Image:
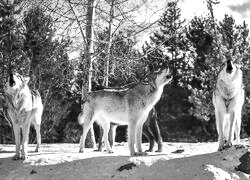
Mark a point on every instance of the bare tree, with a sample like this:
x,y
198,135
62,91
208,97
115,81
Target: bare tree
x,y
88,51
107,62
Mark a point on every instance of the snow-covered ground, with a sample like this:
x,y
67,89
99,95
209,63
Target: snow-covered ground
x,y
178,161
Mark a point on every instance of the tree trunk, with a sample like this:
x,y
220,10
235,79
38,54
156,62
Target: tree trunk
x,y
34,74
89,51
3,71
88,55
107,62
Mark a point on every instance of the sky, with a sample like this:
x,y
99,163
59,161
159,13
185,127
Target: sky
x,y
239,9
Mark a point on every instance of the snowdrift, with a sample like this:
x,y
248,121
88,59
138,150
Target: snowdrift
x,y
178,161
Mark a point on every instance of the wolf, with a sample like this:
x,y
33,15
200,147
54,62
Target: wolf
x,y
2,103
24,107
150,129
125,107
228,99
3,109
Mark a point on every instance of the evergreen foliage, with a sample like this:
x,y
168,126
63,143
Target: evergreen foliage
x,y
193,51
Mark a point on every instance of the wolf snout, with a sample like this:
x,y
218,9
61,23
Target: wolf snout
x,y
11,80
229,66
169,76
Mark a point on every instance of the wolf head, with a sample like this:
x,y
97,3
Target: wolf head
x,y
230,72
229,67
163,77
15,82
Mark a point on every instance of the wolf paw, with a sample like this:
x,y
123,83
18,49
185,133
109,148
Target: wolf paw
x,y
159,150
98,150
24,157
81,151
227,145
140,154
109,151
16,157
132,154
220,149
239,146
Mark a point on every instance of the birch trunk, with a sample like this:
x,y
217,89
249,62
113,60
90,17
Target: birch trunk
x,y
89,51
107,62
88,56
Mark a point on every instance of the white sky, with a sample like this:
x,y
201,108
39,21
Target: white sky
x,y
239,9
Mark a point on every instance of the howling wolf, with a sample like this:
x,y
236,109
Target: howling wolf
x,y
125,107
23,107
228,99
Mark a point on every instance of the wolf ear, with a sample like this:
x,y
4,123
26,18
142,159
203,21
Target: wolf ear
x,y
27,79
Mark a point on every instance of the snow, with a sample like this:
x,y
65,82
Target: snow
x,y
177,161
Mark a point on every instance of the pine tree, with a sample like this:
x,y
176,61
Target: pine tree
x,y
172,41
38,41
11,40
213,44
234,38
51,71
201,86
169,46
201,39
11,55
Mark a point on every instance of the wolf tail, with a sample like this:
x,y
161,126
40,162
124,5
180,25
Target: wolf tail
x,y
80,118
85,113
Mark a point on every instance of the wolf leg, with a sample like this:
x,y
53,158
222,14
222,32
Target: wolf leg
x,y
100,139
131,138
238,127
139,136
158,137
86,120
220,112
149,135
25,141
93,136
112,134
17,134
38,137
238,116
156,133
219,127
86,127
139,127
106,127
231,130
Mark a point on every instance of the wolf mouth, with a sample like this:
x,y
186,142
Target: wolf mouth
x,y
229,67
168,76
11,81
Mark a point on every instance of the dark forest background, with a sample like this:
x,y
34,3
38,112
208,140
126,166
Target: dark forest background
x,y
38,38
